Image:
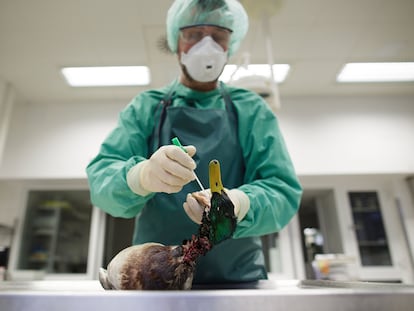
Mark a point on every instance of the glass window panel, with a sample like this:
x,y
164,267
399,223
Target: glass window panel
x,y
56,231
369,228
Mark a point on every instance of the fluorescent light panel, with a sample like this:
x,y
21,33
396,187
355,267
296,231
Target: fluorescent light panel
x,y
377,72
107,76
280,71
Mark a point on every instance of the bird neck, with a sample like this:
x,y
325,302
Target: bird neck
x,y
194,248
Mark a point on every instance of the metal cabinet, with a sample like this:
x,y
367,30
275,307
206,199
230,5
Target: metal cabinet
x,y
59,234
372,230
56,232
366,219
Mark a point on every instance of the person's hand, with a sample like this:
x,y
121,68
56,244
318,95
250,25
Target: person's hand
x,y
167,170
196,203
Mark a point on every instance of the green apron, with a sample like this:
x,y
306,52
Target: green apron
x,y
214,132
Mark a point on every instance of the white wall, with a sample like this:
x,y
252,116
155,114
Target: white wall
x,y
345,135
10,208
7,99
350,135
56,140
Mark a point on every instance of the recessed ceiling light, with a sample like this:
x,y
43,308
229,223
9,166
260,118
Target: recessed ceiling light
x,y
107,76
377,72
233,72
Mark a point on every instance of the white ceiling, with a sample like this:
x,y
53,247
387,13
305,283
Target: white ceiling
x,y
316,37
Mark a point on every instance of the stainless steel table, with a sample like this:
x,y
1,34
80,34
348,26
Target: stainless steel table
x,y
259,296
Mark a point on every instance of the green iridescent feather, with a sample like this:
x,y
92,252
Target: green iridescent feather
x,y
222,218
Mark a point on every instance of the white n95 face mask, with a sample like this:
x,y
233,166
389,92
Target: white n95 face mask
x,y
205,60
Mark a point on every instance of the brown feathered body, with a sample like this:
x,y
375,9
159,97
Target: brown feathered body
x,y
154,266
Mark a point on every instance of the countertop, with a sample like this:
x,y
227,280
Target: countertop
x,y
280,295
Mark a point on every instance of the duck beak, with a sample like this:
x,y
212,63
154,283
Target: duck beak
x,y
215,177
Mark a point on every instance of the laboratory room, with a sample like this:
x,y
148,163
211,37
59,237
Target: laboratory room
x,y
206,155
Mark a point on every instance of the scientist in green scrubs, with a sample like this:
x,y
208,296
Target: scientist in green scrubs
x,y
139,173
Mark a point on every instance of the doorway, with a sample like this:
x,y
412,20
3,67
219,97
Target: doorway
x,y
119,233
319,227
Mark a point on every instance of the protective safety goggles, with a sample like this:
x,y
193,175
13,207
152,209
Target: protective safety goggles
x,y
193,34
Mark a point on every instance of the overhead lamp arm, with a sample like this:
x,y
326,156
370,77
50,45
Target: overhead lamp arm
x,y
270,60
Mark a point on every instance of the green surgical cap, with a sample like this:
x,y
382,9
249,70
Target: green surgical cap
x,y
223,13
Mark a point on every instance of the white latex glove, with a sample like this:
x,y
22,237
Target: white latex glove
x,y
167,170
196,202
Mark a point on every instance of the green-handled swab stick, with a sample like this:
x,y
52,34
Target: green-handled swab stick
x,y
176,142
